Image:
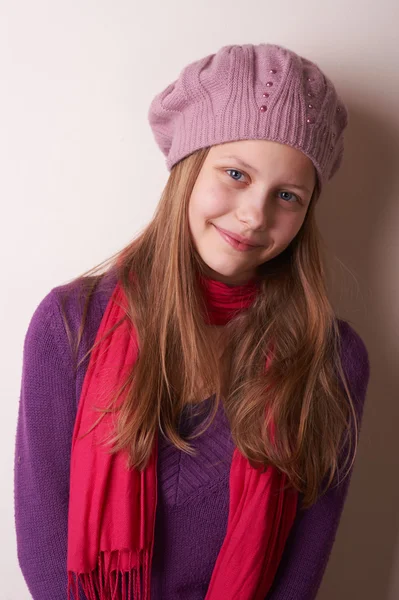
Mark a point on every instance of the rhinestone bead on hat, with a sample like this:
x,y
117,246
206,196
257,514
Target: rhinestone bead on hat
x,y
269,84
310,118
338,110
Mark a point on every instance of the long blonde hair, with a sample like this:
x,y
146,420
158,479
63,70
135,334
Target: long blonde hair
x,y
313,415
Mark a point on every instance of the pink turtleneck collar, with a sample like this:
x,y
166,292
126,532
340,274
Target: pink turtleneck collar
x,y
224,300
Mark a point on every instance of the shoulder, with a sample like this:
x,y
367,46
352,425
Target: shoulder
x,y
355,360
70,297
57,317
353,349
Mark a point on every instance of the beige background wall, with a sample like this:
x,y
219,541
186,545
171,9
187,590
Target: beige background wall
x,y
77,78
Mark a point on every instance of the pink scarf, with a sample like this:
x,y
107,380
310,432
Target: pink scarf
x,y
112,510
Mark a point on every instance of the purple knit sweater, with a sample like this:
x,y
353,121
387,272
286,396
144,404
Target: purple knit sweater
x,y
193,492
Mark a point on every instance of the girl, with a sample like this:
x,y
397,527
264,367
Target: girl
x,y
189,417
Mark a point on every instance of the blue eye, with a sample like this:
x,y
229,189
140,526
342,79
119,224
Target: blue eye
x,y
289,193
234,171
293,196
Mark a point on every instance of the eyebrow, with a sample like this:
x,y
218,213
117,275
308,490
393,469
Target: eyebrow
x,y
303,188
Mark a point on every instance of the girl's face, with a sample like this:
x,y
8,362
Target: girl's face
x,y
256,189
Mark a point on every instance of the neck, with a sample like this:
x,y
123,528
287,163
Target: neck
x,y
224,301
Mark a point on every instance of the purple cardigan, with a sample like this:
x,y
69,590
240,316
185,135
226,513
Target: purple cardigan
x,y
193,492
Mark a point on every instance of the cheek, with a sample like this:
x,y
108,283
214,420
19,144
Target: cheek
x,y
291,227
208,203
286,229
296,223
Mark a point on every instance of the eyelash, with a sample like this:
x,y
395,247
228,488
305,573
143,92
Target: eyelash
x,y
237,171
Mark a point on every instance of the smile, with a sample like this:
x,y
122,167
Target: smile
x,y
240,246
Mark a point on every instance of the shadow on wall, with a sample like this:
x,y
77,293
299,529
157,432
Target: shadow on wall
x,y
356,215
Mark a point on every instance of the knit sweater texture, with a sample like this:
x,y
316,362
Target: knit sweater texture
x,y
193,491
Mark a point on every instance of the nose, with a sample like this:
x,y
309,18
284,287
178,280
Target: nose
x,y
253,212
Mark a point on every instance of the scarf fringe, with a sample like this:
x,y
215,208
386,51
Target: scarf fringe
x,y
112,585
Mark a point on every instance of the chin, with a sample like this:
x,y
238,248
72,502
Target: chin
x,y
229,274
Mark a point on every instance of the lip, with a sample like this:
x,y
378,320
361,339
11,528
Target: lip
x,y
237,241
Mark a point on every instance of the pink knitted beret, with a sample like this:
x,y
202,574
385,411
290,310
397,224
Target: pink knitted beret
x,y
262,91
